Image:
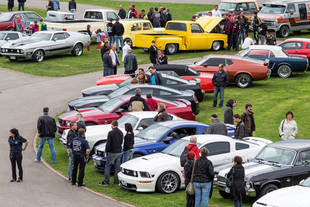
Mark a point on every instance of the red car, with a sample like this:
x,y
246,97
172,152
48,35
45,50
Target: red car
x,y
296,46
112,79
27,18
116,108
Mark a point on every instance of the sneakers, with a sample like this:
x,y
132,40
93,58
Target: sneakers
x,y
12,180
35,160
82,185
19,180
104,184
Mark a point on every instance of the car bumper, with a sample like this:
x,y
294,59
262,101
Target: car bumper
x,y
136,183
14,56
99,162
222,186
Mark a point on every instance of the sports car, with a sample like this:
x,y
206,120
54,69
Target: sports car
x,y
296,46
9,36
46,43
279,62
27,18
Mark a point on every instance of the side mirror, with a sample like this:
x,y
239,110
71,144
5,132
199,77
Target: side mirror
x,y
55,39
205,65
168,139
195,62
7,39
119,110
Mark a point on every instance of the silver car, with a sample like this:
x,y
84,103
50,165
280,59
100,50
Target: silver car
x,y
9,36
46,43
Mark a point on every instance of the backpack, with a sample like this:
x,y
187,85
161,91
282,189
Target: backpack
x,y
183,157
136,106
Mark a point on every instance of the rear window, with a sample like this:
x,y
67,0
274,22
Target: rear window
x,y
176,26
93,15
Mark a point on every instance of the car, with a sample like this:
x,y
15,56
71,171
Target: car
x,y
116,107
9,36
296,46
27,18
163,172
279,62
297,196
46,43
277,165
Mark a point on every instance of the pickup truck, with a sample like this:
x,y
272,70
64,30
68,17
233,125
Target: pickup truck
x,y
203,34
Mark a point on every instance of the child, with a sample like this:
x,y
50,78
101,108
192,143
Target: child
x,y
42,26
89,33
100,38
35,26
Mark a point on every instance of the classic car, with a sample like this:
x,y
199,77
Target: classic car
x,y
280,164
296,46
204,34
27,18
297,196
279,62
46,43
116,107
152,172
9,36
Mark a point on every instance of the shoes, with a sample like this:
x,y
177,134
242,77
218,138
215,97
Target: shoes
x,y
82,185
19,180
73,183
12,180
35,160
103,184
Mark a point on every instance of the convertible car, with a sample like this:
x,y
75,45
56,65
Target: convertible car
x,y
9,36
46,43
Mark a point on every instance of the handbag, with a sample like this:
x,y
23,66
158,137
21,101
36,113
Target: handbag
x,y
190,187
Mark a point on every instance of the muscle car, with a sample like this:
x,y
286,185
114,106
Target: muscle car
x,y
9,36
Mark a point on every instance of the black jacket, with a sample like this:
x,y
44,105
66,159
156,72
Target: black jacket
x,y
128,142
109,29
158,78
188,171
240,131
162,116
220,79
228,115
81,124
237,187
162,60
114,141
262,28
46,126
203,172
130,63
71,135
72,5
118,29
153,54
139,98
107,61
122,14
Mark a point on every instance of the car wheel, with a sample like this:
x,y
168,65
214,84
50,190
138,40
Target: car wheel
x,y
284,71
168,182
216,45
171,49
284,31
243,80
77,50
267,189
38,56
224,194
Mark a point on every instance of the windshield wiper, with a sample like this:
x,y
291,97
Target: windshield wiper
x,y
260,160
274,163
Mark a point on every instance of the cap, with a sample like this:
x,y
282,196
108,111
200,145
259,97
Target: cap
x,y
213,116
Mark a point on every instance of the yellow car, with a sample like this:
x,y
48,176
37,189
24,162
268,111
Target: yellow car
x,y
203,34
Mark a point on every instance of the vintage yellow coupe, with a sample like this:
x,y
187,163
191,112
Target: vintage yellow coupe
x,y
203,34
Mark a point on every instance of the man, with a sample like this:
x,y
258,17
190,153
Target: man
x,y
192,146
10,5
240,128
115,60
80,122
21,5
80,151
121,12
113,150
155,78
262,31
137,103
210,13
216,127
163,17
248,120
220,81
109,31
130,63
118,31
50,6
42,26
71,135
243,22
216,12
107,63
168,15
126,48
255,24
156,18
46,128
72,6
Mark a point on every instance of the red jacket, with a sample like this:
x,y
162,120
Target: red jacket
x,y
152,103
194,149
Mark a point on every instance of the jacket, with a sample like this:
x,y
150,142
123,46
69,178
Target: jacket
x,y
156,19
79,146
194,149
129,141
81,124
42,26
262,30
130,62
114,57
288,130
240,131
107,61
220,79
228,115
122,13
237,187
109,29
71,135
114,141
203,171
162,60
138,98
162,116
118,29
158,78
46,126
249,122
72,5
188,167
152,103
153,54
217,128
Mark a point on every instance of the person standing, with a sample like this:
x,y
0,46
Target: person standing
x,y
118,31
126,48
262,31
46,126
16,147
288,127
121,12
18,25
162,59
236,175
153,52
156,18
150,15
137,103
80,122
216,127
228,112
113,152
216,12
21,5
109,31
192,146
115,60
56,5
255,25
248,120
168,15
50,6
188,169
163,17
155,78
71,135
10,5
240,127
90,35
228,31
129,141
220,81
72,6
142,14
130,63
151,102
162,114
235,29
243,22
80,151
107,63
42,26
100,36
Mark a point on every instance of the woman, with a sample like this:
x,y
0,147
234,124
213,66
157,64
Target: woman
x,y
228,112
153,53
162,59
128,143
288,127
236,175
141,78
16,147
162,114
203,177
188,167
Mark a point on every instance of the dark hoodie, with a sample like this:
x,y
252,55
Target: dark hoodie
x,y
162,116
228,114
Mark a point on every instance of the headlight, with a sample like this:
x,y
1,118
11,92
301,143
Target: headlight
x,y
68,123
21,51
145,174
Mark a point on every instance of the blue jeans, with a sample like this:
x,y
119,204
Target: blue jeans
x,y
128,155
238,203
112,158
50,141
21,6
202,192
218,90
111,40
117,39
70,166
108,71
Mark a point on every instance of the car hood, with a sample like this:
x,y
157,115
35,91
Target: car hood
x,y
86,112
84,101
99,90
272,17
112,79
208,23
22,44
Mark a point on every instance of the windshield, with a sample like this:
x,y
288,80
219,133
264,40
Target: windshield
x,y
176,148
306,182
4,17
276,155
201,62
272,9
2,35
242,53
125,82
153,132
127,118
41,36
227,6
118,92
107,107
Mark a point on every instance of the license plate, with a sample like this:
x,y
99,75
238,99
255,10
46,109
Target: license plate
x,y
12,57
124,183
227,190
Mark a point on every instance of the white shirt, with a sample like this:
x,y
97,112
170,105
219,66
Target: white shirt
x,y
125,51
113,57
289,129
216,13
247,42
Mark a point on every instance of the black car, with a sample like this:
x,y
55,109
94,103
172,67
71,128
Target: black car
x,y
177,70
279,164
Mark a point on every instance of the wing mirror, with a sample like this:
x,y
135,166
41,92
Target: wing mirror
x,y
7,39
205,65
167,140
55,39
119,110
301,181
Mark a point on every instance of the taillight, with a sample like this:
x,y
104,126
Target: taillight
x,y
64,29
195,99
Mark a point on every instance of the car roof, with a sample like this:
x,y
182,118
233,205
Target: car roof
x,y
265,47
293,144
238,1
99,10
234,57
127,97
146,114
283,2
175,123
297,39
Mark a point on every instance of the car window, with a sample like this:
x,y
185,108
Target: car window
x,y
229,62
241,146
12,36
242,7
59,36
111,15
144,123
196,28
165,93
136,27
145,91
176,26
291,45
303,158
31,16
308,46
252,6
290,8
260,54
215,61
172,82
182,132
132,92
147,26
216,148
93,15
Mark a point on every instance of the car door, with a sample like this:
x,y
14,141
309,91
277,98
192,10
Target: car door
x,y
293,47
198,40
219,152
301,169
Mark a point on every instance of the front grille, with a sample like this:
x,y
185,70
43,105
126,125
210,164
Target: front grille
x,y
221,179
129,172
9,50
100,153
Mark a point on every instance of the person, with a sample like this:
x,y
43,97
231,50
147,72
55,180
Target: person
x,y
199,15
46,126
216,12
155,78
142,14
100,37
192,146
16,147
203,178
156,18
35,27
216,127
104,48
271,37
113,150
109,31
255,22
168,15
80,122
132,13
153,52
118,31
137,103
134,9
161,58
193,19
220,81
151,102
125,49
240,127
90,34
142,77
288,127
248,119
163,17
162,114
21,5
130,63
56,5
224,22
231,15
150,15
134,81
121,12
188,168
262,31
80,152
115,60
247,43
71,135
42,26
50,6
10,5
236,175
129,141
210,13
72,6
243,29
107,63
228,112
232,30
18,25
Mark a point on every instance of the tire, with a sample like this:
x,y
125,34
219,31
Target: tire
x,y
171,49
38,56
267,189
284,31
77,50
168,182
284,71
216,45
224,194
243,80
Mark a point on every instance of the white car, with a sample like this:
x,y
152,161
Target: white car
x,y
9,36
163,172
294,196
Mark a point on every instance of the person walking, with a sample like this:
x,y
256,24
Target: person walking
x,y
188,169
80,151
137,103
130,63
126,48
46,126
113,152
203,179
248,119
153,53
50,6
216,12
155,78
156,18
115,59
151,102
42,26
129,141
121,12
162,59
21,5
16,147
216,127
71,135
236,176
288,127
240,127
255,22
10,5
107,63
109,31
220,81
118,31
72,6
228,112
162,114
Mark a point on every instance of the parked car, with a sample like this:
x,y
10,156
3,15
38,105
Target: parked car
x,y
279,62
296,46
116,108
287,197
280,164
46,43
27,18
163,172
9,36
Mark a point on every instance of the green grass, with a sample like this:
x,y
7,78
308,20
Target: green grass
x,y
42,13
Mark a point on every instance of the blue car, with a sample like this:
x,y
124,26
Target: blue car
x,y
157,137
